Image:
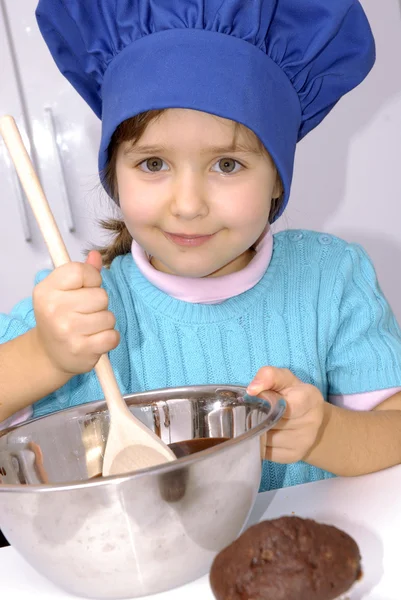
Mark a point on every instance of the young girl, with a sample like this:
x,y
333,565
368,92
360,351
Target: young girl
x,y
202,103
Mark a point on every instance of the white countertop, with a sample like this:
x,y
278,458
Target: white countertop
x,y
368,508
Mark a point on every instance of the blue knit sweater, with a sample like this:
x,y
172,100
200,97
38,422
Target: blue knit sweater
x,y
317,311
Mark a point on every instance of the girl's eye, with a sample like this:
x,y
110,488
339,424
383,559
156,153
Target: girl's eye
x,y
227,166
153,165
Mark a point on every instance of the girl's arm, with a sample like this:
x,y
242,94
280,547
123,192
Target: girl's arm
x,y
73,329
355,443
26,374
341,441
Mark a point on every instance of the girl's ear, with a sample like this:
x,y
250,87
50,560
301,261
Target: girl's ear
x,y
278,189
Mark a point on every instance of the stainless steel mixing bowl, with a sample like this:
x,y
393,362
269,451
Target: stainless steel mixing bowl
x,y
133,535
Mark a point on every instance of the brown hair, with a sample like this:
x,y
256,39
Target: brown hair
x,y
132,130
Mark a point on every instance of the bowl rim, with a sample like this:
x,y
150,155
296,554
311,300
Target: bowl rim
x,y
275,414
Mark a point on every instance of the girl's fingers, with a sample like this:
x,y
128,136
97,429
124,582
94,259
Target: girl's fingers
x,y
283,447
94,258
94,323
286,424
272,378
101,343
279,455
280,440
73,276
300,400
85,301
289,446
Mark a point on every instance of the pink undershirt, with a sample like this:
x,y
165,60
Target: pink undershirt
x,y
214,290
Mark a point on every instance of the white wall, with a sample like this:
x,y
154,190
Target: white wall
x,y
348,171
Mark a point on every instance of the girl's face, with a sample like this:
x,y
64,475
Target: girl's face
x,y
195,194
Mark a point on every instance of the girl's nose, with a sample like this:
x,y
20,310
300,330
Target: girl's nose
x,y
189,199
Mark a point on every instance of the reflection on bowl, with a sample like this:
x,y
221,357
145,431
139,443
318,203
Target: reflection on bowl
x,y
133,535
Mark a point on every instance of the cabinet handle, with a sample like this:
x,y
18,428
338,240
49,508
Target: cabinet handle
x,y
19,194
51,125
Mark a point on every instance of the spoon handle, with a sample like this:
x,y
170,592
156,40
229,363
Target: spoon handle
x,y
52,237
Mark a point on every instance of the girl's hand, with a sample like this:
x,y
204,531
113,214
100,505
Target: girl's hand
x,y
297,432
73,326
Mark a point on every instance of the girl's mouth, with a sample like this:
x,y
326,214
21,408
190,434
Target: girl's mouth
x,y
182,239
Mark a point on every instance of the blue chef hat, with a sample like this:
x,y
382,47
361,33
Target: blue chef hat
x,y
277,66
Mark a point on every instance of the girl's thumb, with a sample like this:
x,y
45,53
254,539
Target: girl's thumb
x,y
94,258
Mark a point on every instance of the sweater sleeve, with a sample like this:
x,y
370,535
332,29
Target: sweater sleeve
x,y
365,349
80,389
20,320
22,317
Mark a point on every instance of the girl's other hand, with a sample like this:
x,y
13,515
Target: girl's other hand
x,y
73,324
294,436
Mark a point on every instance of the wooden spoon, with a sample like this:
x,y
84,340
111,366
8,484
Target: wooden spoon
x,y
130,444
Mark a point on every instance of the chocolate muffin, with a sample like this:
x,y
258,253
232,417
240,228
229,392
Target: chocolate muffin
x,y
287,559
